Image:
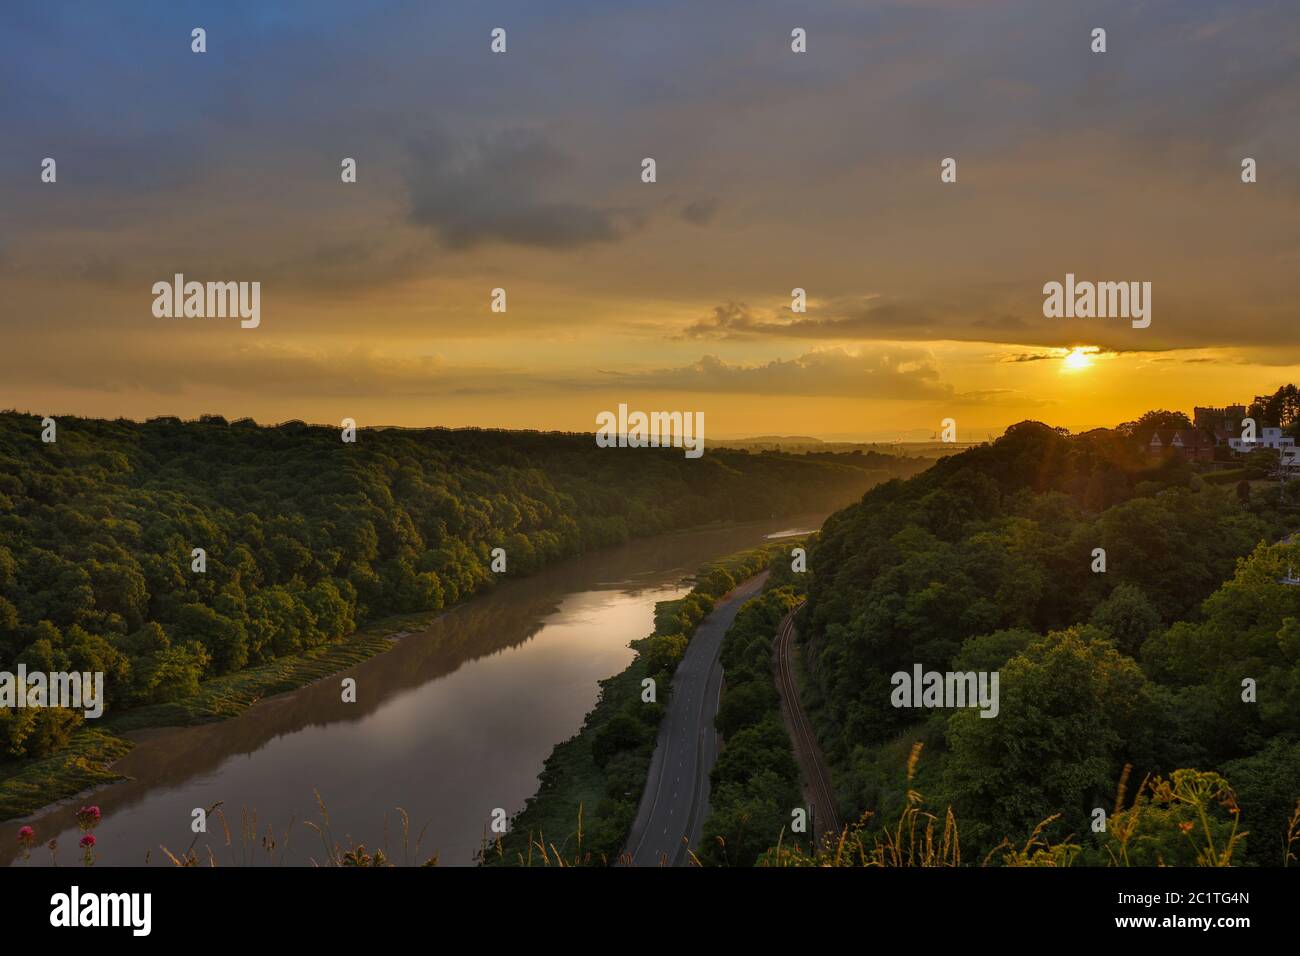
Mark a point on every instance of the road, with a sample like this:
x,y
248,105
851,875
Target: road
x,y
676,798
812,763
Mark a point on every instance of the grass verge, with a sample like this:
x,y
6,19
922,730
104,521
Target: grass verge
x,y
591,784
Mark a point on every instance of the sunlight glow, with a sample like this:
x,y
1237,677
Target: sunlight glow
x,y
1079,358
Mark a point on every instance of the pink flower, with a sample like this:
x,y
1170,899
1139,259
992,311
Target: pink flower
x,y
89,817
26,840
87,845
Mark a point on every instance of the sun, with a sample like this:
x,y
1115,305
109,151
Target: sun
x,y
1079,358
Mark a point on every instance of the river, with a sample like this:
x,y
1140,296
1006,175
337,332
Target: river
x,y
452,723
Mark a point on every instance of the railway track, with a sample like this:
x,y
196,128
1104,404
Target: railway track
x,y
819,777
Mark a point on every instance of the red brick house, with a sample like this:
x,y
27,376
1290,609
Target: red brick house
x,y
1192,443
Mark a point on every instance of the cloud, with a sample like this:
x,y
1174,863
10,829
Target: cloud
x,y
730,320
208,362
821,168
490,189
1060,354
870,318
700,212
1034,357
215,363
981,314
908,374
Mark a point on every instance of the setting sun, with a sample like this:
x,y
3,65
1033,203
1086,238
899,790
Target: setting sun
x,y
1079,358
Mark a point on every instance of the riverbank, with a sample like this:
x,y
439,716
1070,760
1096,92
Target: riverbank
x,y
87,761
591,784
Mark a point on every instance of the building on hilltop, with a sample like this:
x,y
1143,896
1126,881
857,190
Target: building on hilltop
x,y
1191,443
1289,461
1270,437
1219,419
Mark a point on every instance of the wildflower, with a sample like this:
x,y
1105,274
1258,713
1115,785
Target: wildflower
x,y
88,817
87,845
26,840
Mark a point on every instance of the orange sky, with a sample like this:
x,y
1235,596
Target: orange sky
x,y
775,170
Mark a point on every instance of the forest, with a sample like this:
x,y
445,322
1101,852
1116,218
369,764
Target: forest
x,y
306,537
755,782
1173,663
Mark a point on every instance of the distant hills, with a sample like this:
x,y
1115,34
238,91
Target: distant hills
x,y
802,444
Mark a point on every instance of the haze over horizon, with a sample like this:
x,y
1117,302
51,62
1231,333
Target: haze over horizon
x,y
775,170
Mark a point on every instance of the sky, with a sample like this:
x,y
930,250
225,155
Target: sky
x,y
775,170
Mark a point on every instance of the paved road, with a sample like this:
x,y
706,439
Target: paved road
x,y
676,799
812,764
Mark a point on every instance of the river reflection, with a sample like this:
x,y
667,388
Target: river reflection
x,y
450,724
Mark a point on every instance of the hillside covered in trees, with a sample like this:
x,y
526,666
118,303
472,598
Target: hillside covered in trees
x,y
988,562
306,537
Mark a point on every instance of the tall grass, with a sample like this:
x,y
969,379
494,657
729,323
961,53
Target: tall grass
x,y
918,838
255,846
1187,800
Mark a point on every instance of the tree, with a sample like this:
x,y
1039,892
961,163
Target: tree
x,y
751,818
1156,420
988,652
1280,408
1067,707
663,652
224,639
36,732
744,706
622,732
1127,616
1260,463
755,788
170,673
1267,785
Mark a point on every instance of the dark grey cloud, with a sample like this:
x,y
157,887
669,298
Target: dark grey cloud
x,y
1032,357
492,188
700,212
1116,166
870,319
1181,322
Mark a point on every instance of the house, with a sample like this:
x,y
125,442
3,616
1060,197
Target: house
x,y
1191,443
1270,436
1290,461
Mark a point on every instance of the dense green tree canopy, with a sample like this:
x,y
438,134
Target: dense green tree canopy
x,y
1159,595
305,537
